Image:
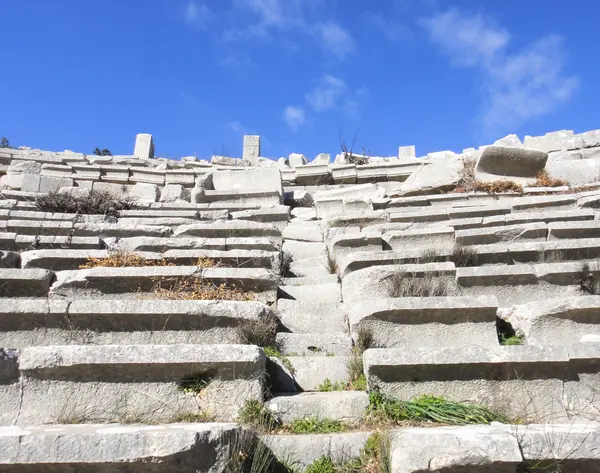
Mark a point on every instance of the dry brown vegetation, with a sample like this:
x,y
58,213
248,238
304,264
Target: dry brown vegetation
x,y
192,288
92,203
431,284
128,259
470,183
543,179
123,259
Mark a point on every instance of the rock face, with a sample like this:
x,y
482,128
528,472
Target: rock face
x,y
375,280
505,161
443,174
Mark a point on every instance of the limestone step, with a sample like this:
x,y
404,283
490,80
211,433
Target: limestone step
x,y
26,242
222,244
325,292
303,450
170,448
67,259
345,406
104,230
426,321
134,281
277,213
535,384
15,282
306,373
303,231
43,322
228,229
568,320
378,281
312,317
300,250
314,344
519,218
537,231
148,383
302,281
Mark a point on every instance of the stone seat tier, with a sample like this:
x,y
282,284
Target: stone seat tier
x,y
426,321
115,382
16,282
60,260
306,373
170,448
345,406
138,280
158,244
43,322
534,384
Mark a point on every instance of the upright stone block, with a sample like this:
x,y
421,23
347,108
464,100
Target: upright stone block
x,y
251,149
407,151
144,146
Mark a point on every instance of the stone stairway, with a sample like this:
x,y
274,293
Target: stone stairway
x,y
322,298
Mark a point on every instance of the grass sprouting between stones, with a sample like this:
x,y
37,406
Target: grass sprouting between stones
x,y
429,409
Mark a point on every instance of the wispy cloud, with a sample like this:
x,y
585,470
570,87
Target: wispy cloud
x,y
394,31
335,39
517,86
327,94
294,117
239,63
197,14
238,127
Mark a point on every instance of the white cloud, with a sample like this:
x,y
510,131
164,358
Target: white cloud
x,y
327,94
240,64
335,39
517,86
197,14
238,127
294,117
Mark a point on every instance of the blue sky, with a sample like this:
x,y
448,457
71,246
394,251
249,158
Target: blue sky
x,y
198,74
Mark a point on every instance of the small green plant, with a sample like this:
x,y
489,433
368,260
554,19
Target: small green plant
x,y
429,409
103,152
323,464
431,284
327,386
274,352
314,425
248,454
359,384
464,256
511,340
286,262
191,417
376,455
331,264
262,332
256,415
195,384
4,143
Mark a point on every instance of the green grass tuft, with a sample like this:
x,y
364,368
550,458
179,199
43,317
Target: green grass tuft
x,y
429,409
314,425
512,340
327,386
254,414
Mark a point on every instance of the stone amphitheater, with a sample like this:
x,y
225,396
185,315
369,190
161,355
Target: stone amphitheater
x,y
372,314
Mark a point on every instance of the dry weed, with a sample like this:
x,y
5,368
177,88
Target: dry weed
x,y
543,179
123,259
469,182
94,203
431,284
190,288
